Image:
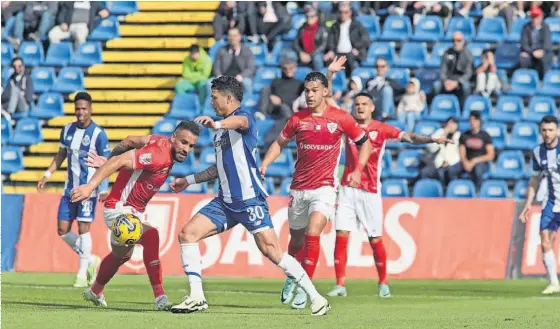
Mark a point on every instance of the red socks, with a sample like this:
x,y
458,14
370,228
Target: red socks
x,y
150,241
340,258
296,252
108,268
312,246
380,256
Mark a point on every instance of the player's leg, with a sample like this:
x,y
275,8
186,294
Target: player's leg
x,y
67,212
548,226
89,263
150,242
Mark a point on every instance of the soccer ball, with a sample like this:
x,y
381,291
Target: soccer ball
x,y
126,229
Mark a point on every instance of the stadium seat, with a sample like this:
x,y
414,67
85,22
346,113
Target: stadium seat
x,y
8,27
182,169
302,72
498,132
122,7
31,53
460,24
201,188
70,79
428,29
297,21
401,75
28,132
380,50
427,77
426,128
502,75
413,55
12,160
494,189
263,127
165,186
524,82
516,28
6,74
476,50
524,136
59,54
507,56
49,105
208,110
43,79
371,24
477,103
509,165
396,188
396,28
437,52
443,106
283,166
460,188
339,80
88,54
164,127
7,130
251,103
509,109
285,186
7,54
427,188
554,25
184,106
407,164
520,189
207,158
491,29
106,30
269,185
539,106
365,73
551,84
206,138
260,52
387,165
392,144
264,76
213,51
280,50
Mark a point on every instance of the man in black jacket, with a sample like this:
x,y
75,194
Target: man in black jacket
x,y
76,19
273,19
536,44
230,14
18,95
311,40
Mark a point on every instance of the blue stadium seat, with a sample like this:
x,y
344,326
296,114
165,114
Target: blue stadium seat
x,y
106,30
43,79
509,165
502,75
554,25
427,188
206,138
269,185
260,52
401,75
476,50
460,188
407,164
464,125
213,51
365,73
477,103
207,158
88,54
49,105
428,29
209,110
509,109
524,136
201,188
280,50
391,144
397,188
122,7
264,76
494,189
371,24
396,28
339,80
283,166
32,53
498,132
427,77
8,28
380,50
443,106
184,106
6,74
185,168
70,79
263,127
165,186
7,54
7,130
520,189
507,56
437,51
297,22
516,28
285,186
524,82
413,55
491,29
28,132
251,103
387,165
216,188
301,72
164,127
59,54
460,24
426,128
539,106
12,160
551,84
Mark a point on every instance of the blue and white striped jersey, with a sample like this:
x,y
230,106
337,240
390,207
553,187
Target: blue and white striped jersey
x,y
546,164
236,159
78,142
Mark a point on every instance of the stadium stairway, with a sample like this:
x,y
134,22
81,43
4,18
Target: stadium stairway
x,y
133,87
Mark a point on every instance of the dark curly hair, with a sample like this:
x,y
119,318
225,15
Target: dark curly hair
x,y
317,76
191,126
228,85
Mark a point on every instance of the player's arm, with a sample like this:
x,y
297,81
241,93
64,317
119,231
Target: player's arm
x,y
531,190
104,149
55,164
206,175
233,122
413,138
127,144
336,65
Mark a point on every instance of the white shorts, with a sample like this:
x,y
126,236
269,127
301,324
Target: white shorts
x,y
304,202
358,208
110,214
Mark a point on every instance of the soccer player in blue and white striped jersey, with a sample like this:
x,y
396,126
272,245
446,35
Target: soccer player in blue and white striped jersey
x,y
77,140
546,166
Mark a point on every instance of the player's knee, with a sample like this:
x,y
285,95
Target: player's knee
x,y
188,236
63,230
546,245
375,239
342,233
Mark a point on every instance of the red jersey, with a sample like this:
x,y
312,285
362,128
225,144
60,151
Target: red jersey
x,y
318,139
136,187
378,132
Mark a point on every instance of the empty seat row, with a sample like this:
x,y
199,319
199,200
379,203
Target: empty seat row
x,y
58,54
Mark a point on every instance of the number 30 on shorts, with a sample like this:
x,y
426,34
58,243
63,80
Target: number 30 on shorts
x,y
255,213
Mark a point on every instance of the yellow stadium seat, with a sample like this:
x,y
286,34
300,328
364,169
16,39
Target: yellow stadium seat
x,y
123,108
176,6
152,43
49,148
129,83
113,134
110,121
40,162
170,17
165,30
144,56
31,189
35,175
131,96
136,69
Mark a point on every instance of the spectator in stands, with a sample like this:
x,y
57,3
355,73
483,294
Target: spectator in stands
x,y
76,19
442,161
382,89
278,99
347,37
36,21
355,87
456,70
18,95
230,14
9,10
235,60
487,80
536,43
503,9
411,104
311,40
476,149
272,20
418,9
196,71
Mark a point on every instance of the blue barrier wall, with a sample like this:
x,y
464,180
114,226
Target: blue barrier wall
x,y
12,206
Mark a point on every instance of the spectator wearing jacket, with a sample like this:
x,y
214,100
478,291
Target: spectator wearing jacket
x,y
536,43
272,20
18,95
384,90
196,71
76,19
311,40
230,14
36,21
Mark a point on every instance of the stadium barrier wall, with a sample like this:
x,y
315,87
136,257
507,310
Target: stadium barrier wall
x,y
12,205
425,239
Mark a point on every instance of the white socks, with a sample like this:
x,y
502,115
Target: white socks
x,y
192,265
549,261
82,245
294,270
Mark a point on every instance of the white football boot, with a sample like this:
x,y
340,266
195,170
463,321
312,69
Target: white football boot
x,y
338,291
190,305
551,289
81,283
92,269
300,299
162,303
384,291
288,291
95,299
320,306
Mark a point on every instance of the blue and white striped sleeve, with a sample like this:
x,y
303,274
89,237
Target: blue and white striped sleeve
x,y
537,169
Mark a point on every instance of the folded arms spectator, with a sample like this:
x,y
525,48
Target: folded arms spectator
x,y
76,19
536,43
476,149
229,14
311,40
196,71
18,95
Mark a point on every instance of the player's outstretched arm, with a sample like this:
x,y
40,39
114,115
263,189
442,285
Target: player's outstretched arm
x,y
233,122
55,164
422,139
129,143
336,65
273,152
206,175
531,191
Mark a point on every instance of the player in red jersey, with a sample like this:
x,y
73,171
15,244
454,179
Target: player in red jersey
x,y
144,163
361,206
318,130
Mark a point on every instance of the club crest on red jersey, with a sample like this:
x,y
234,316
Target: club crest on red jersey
x,y
332,126
317,127
145,158
373,134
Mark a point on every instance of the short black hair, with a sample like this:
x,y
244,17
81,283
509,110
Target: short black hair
x,y
475,115
191,126
17,58
82,95
549,119
452,119
194,48
363,94
317,76
227,84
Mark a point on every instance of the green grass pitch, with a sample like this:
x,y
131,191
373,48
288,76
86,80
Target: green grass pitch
x,y
46,301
